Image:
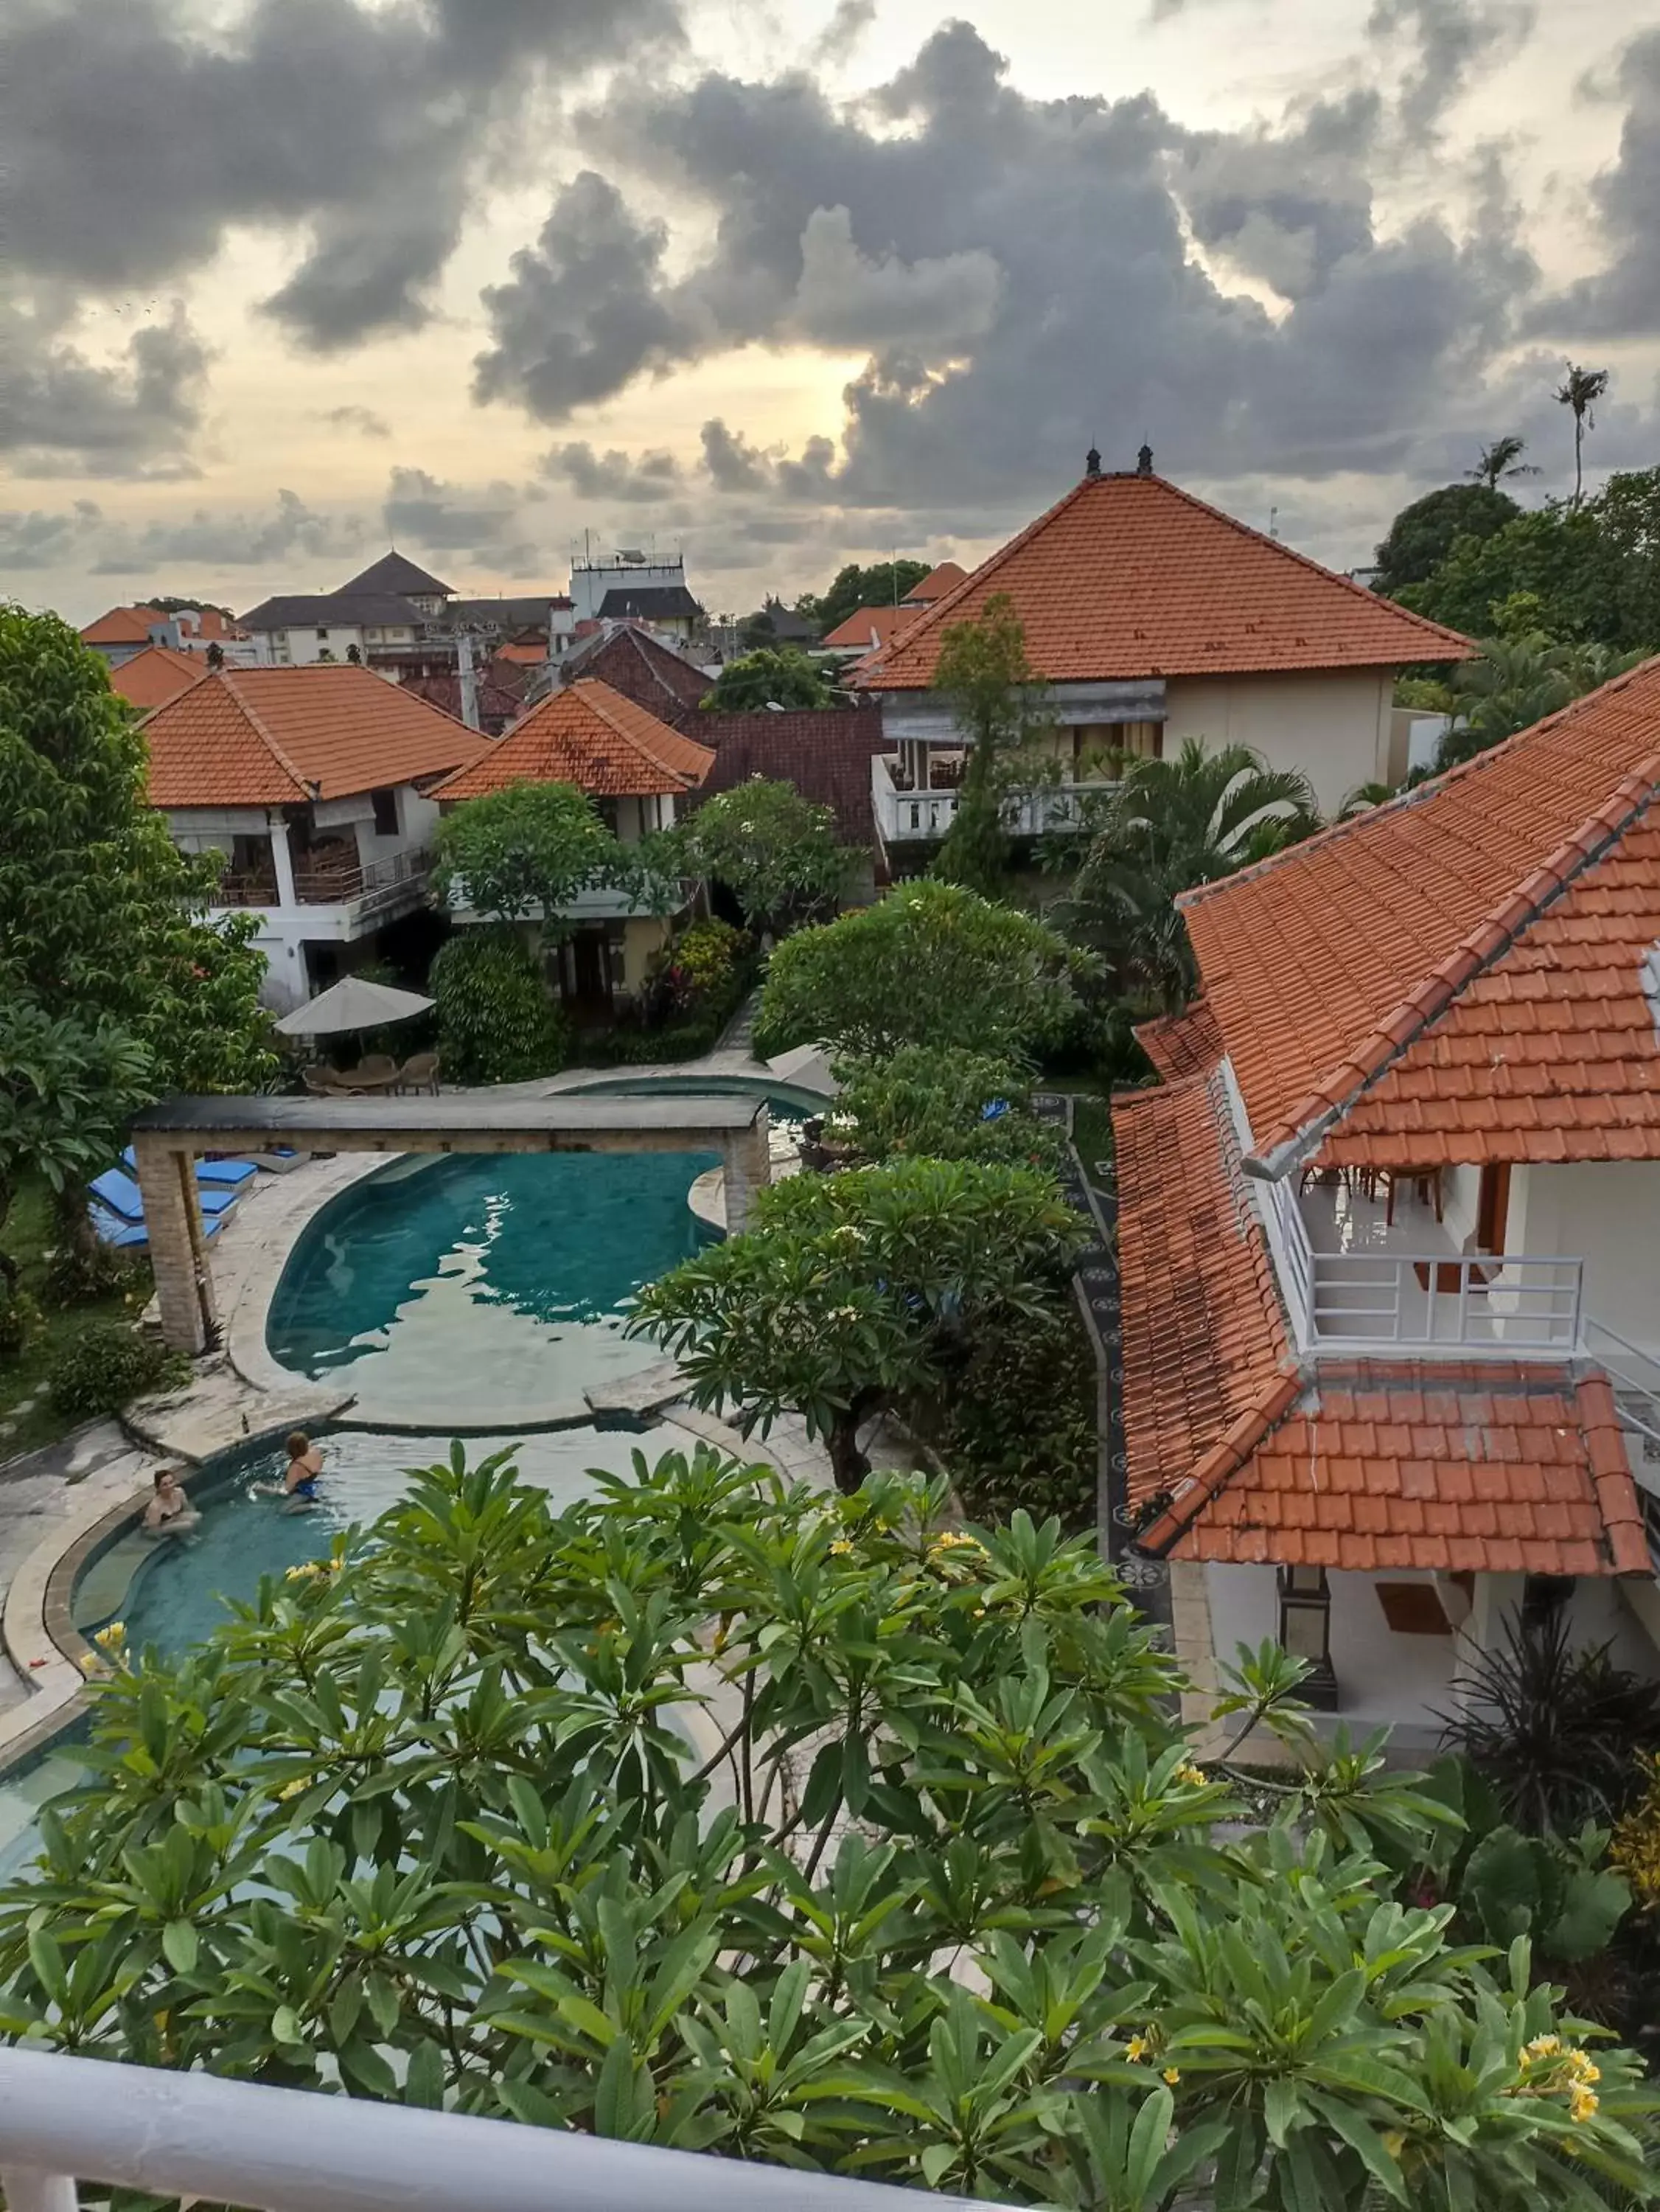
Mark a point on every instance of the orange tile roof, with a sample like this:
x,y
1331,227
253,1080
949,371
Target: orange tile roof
x,y
1455,975
525,652
593,737
935,584
123,626
1182,1044
272,737
869,627
1131,576
1426,1464
153,676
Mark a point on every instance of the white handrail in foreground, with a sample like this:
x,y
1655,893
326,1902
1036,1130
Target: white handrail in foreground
x,y
301,2150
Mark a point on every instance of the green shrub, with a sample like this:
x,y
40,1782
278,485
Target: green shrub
x,y
496,1022
1017,1430
19,1318
107,1365
707,952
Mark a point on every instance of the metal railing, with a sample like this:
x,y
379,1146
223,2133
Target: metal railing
x,y
65,2119
903,815
1633,1374
370,883
1500,1302
245,887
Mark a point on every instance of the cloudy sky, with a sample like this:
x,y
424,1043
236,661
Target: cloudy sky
x,y
788,282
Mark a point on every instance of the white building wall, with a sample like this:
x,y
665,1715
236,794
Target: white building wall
x,y
1606,1212
299,647
1334,727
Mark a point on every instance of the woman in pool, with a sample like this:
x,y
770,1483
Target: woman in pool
x,y
169,1512
305,1465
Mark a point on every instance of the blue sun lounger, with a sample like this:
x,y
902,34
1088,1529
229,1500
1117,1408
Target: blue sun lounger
x,y
231,1175
133,1237
122,1197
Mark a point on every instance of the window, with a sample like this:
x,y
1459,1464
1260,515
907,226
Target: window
x,y
1140,740
385,812
323,637
608,813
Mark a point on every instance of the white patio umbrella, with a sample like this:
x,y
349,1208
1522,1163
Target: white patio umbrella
x,y
354,1003
807,1065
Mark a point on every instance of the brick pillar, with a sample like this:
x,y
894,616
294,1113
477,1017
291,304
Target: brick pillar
x,y
748,1162
179,1251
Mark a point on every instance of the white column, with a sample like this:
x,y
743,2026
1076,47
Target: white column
x,y
280,855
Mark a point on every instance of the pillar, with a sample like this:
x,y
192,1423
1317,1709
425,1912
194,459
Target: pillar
x,y
282,861
747,1159
178,1250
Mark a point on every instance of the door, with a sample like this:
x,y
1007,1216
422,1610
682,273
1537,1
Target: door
x,y
1492,1214
592,988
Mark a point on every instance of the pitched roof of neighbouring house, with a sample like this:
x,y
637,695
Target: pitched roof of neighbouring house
x,y
123,626
393,572
157,674
649,602
935,584
868,627
345,610
592,736
641,666
1131,576
273,736
1467,972
1490,1467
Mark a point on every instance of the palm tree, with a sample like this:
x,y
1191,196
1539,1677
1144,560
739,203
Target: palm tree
x,y
1580,390
1516,682
1171,824
1502,459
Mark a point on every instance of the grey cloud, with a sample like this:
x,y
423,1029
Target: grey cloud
x,y
1623,299
848,298
422,510
36,540
208,538
733,463
1285,205
851,20
62,412
146,133
1452,38
612,474
363,421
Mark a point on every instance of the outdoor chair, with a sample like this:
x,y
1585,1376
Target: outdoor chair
x,y
120,1195
231,1174
380,1072
420,1073
321,1082
133,1236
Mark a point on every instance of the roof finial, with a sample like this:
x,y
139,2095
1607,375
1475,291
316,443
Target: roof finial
x,y
1144,462
1092,462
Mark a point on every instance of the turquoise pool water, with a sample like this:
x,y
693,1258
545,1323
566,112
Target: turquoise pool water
x,y
480,1292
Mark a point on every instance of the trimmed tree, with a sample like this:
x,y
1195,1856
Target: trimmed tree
x,y
775,851
773,676
931,964
525,853
941,1103
114,988
852,1293
496,1022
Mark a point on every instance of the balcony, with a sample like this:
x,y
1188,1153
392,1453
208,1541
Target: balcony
x,y
365,891
908,814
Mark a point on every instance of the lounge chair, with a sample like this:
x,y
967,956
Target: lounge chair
x,y
120,1195
420,1073
133,1237
229,1174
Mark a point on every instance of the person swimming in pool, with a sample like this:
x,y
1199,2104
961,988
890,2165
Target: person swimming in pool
x,y
169,1512
304,1466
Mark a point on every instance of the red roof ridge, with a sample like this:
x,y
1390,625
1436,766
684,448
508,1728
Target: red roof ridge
x,y
592,687
1302,1125
1217,1467
308,788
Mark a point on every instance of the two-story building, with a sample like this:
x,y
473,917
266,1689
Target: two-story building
x,y
1389,1229
1150,618
124,632
638,772
316,785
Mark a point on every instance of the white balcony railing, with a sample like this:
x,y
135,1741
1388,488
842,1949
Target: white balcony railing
x,y
65,2119
905,817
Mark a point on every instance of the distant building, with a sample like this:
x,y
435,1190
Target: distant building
x,y
628,587
773,624
297,628
124,631
154,675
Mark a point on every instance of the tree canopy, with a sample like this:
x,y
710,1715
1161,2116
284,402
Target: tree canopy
x,y
1423,533
881,584
773,676
655,1820
941,1103
114,988
931,964
524,853
985,679
1172,825
775,851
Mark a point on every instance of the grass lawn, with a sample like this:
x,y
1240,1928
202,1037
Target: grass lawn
x,y
26,1236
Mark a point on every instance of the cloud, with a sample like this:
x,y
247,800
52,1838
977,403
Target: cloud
x,y
848,298
732,464
149,128
209,538
1452,39
62,413
36,540
421,509
612,474
851,20
1623,299
363,421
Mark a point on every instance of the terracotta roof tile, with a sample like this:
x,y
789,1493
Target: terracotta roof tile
x,y
157,674
935,584
869,627
123,626
1129,575
1182,1044
592,737
271,737
1455,975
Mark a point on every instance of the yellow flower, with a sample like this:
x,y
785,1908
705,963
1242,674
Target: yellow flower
x,y
1394,2141
1135,2051
112,1638
302,1574
89,1663
1543,2046
1582,2105
1172,2075
842,1548
292,1789
1194,1776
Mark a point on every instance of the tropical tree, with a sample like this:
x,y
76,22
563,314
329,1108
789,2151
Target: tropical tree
x,y
776,851
114,988
524,853
983,675
1424,532
882,584
1513,681
852,1293
1170,825
770,677
931,964
1502,459
424,1825
941,1103
496,1022
1579,390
